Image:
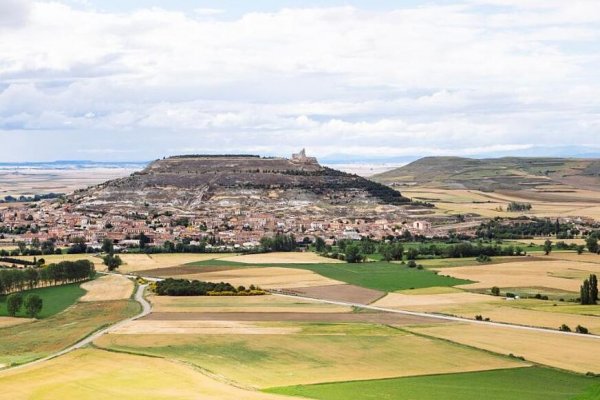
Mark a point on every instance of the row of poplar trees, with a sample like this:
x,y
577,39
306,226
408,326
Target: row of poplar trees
x,y
589,290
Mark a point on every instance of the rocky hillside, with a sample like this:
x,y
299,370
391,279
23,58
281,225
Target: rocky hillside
x,y
510,173
191,182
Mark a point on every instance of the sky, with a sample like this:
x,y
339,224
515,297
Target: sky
x,y
352,81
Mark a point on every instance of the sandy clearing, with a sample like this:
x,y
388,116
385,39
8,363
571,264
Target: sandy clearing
x,y
199,327
140,262
344,292
575,353
525,274
282,258
108,287
363,317
266,278
5,322
97,374
240,304
425,302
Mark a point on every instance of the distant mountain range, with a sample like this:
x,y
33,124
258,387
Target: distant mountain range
x,y
507,173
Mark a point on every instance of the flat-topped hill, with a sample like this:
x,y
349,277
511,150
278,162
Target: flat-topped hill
x,y
508,173
191,181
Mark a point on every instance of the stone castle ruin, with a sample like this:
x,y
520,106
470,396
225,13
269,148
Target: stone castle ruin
x,y
301,158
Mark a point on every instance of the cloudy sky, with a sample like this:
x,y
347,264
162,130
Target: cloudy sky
x,y
348,80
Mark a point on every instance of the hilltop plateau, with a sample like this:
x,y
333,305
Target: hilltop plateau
x,y
194,181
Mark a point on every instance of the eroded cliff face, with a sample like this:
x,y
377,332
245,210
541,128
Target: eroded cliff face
x,y
193,182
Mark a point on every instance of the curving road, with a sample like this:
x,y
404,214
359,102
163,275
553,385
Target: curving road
x,y
146,309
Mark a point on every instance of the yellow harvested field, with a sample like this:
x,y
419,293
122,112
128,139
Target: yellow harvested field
x,y
152,327
92,374
521,316
562,275
282,258
240,304
139,262
321,353
576,353
5,322
50,259
572,256
582,203
108,287
266,278
432,302
430,290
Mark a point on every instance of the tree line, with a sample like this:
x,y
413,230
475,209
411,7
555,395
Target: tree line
x,y
64,272
184,287
525,229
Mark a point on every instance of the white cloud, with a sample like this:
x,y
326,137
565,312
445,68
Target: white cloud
x,y
477,76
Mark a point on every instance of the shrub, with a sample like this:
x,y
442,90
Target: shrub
x,y
581,329
564,328
496,291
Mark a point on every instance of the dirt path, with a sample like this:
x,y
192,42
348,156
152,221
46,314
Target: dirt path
x,y
445,317
146,309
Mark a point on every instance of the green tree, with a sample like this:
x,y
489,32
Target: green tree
x,y
580,249
353,254
14,303
112,262
592,243
547,246
496,291
33,305
107,246
588,292
319,244
593,289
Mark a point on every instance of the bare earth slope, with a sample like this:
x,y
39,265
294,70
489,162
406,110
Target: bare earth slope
x,y
509,173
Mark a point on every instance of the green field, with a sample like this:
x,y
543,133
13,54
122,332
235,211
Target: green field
x,y
55,298
317,352
533,383
30,341
388,277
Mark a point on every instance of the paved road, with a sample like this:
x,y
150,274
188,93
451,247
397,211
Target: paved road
x,y
146,309
441,317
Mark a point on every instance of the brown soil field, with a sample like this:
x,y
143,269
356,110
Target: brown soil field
x,y
240,304
266,278
97,374
108,287
562,275
344,292
574,353
5,322
282,258
193,327
384,318
320,353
